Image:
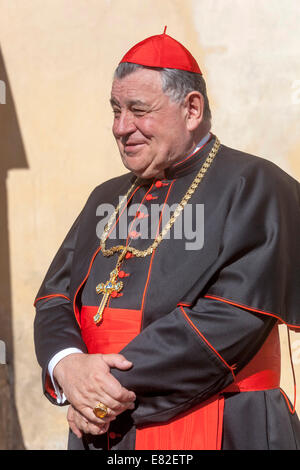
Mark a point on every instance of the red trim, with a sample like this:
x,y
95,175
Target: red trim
x,y
146,286
152,256
236,304
181,304
50,296
293,327
292,410
207,342
185,168
81,284
49,387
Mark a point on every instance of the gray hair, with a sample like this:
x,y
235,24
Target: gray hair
x,y
175,83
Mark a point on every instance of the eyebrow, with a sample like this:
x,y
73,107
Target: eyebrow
x,y
115,102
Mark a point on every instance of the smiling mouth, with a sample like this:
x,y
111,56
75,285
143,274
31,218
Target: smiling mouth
x,y
130,147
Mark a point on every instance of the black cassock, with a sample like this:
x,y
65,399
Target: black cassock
x,y
207,301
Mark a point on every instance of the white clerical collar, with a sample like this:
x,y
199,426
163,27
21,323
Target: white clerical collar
x,y
202,142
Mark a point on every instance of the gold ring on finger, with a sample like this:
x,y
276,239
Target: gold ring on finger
x,y
100,410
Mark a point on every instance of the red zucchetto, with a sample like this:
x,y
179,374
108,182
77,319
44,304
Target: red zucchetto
x,y
162,51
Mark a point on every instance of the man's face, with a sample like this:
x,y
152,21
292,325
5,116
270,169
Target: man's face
x,y
149,128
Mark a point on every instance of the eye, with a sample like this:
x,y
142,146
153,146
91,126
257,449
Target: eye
x,y
138,111
116,112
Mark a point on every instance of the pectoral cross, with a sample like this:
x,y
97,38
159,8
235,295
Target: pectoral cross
x,y
108,288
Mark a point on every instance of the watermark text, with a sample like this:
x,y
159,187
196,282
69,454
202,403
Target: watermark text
x,y
137,221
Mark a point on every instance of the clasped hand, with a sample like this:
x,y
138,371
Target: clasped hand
x,y
86,380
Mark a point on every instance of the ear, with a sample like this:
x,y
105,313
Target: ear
x,y
194,106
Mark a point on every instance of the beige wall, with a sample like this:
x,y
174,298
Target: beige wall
x,y
57,61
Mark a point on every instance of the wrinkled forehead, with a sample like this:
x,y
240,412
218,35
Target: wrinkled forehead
x,y
141,86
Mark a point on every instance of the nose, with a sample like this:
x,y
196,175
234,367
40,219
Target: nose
x,y
124,124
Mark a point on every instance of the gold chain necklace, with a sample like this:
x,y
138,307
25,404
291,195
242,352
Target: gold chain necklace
x,y
115,286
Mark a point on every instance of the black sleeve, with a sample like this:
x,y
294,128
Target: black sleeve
x,y
55,326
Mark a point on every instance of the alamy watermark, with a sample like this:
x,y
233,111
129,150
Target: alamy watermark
x,y
2,92
140,222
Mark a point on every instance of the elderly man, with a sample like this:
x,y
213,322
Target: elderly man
x,y
169,340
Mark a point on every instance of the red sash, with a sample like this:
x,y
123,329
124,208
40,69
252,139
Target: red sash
x,y
201,427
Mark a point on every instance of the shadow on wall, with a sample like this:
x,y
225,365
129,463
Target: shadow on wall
x,y
12,155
